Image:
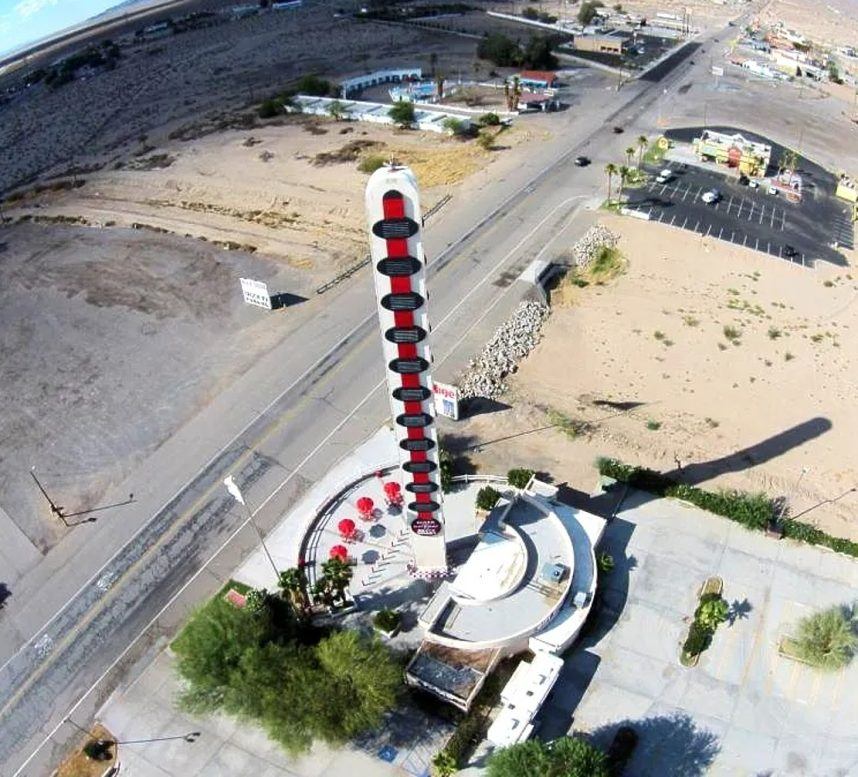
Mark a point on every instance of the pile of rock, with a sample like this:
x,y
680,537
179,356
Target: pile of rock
x,y
513,340
588,246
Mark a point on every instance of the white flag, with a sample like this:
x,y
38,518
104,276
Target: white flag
x,y
234,489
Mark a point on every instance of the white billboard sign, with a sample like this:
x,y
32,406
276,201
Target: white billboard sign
x,y
717,71
446,400
255,293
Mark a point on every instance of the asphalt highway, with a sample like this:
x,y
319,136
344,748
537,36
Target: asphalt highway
x,y
65,640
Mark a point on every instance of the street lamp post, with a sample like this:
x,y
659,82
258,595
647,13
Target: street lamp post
x,y
786,501
190,737
56,509
236,494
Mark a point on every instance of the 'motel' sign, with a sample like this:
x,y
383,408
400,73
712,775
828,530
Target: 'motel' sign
x,y
393,212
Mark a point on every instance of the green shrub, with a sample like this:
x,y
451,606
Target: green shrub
x,y
465,737
711,611
698,639
519,478
487,497
402,113
489,120
98,749
387,620
268,109
371,163
605,562
312,84
826,639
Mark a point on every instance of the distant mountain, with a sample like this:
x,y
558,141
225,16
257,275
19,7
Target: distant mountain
x,y
119,7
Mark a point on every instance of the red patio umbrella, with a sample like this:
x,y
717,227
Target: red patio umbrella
x,y
392,489
339,551
346,527
365,505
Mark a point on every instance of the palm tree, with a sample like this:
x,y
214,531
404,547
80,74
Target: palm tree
x,y
444,764
338,575
322,592
827,639
611,170
294,582
630,152
624,176
642,144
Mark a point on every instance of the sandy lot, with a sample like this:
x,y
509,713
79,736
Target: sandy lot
x,y
740,368
834,22
289,189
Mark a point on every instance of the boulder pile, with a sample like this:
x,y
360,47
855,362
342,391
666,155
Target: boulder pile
x,y
512,341
590,243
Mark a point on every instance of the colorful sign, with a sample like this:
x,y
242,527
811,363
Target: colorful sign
x,y
446,400
394,220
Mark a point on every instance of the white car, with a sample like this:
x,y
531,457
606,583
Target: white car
x,y
711,197
665,176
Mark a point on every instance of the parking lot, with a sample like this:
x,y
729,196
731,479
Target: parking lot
x,y
744,710
802,232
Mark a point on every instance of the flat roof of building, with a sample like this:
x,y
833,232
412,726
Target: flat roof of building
x,y
494,568
547,543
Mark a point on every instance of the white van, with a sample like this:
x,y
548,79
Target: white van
x,y
665,176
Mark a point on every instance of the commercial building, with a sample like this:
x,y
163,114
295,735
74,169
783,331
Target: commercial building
x,y
748,156
358,83
612,43
537,101
528,584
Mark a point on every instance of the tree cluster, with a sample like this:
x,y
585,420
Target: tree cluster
x,y
505,52
534,14
587,11
264,663
565,757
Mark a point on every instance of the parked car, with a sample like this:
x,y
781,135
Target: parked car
x,y
582,161
711,197
665,175
754,184
744,180
618,130
789,251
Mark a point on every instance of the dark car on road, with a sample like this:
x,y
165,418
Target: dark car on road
x,y
582,161
618,130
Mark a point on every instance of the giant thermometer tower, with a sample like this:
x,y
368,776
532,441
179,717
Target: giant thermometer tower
x,y
393,213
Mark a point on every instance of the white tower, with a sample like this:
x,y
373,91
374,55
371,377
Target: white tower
x,y
399,267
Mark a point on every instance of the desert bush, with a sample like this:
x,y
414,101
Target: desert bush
x,y
369,164
519,478
386,620
698,639
402,113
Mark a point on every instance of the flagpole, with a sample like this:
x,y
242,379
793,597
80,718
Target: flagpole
x,y
236,493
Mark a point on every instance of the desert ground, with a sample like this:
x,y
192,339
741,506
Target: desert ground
x,y
729,368
833,22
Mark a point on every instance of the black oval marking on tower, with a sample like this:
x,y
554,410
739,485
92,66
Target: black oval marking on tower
x,y
421,488
424,507
408,300
416,394
414,420
398,267
419,466
395,229
409,366
419,444
405,334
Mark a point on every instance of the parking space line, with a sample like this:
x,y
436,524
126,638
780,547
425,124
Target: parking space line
x,y
720,233
732,235
708,230
685,222
697,225
672,220
783,220
762,213
780,252
745,241
772,223
730,204
661,216
687,189
757,246
739,212
768,246
751,214
663,187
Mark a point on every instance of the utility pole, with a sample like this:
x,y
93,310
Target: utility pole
x,y
786,501
236,494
